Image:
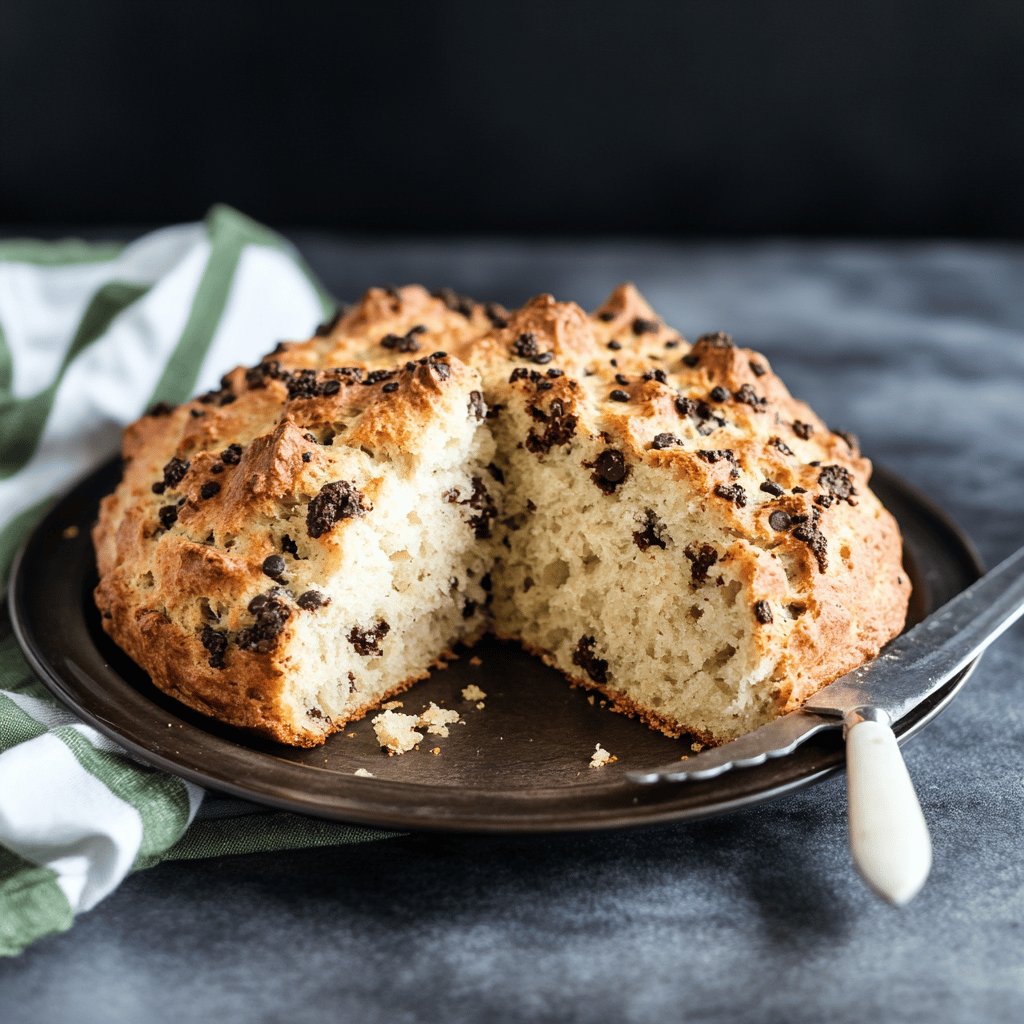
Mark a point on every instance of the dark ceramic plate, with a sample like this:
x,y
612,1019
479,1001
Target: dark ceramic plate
x,y
519,765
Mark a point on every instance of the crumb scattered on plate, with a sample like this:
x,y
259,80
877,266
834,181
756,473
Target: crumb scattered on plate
x,y
473,692
435,751
396,732
364,774
475,661
69,532
436,720
696,747
480,705
601,757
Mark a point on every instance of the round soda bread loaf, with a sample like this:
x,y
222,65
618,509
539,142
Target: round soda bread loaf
x,y
660,521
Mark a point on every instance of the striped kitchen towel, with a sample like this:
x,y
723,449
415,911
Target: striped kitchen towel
x,y
90,336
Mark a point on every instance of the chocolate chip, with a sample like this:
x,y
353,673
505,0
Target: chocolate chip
x,y
701,558
802,430
209,489
653,533
486,510
496,315
168,516
231,455
777,442
336,501
525,346
307,456
748,396
559,428
367,641
700,413
642,326
658,375
615,345
771,487
174,472
757,369
619,396
838,482
662,441
584,656
402,342
610,470
718,455
271,615
311,600
330,387
763,613
812,536
690,360
733,493
390,387
718,394
216,643
455,302
274,566
780,520
158,487
799,490
606,316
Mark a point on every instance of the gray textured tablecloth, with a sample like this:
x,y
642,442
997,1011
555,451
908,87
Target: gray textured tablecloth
x,y
759,916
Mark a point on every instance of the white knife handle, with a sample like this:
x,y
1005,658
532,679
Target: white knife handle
x,y
888,834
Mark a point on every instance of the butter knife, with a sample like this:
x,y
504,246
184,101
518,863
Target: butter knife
x,y
888,835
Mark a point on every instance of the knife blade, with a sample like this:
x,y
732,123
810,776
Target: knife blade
x,y
905,673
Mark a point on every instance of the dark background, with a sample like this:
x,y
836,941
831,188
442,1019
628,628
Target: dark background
x,y
882,117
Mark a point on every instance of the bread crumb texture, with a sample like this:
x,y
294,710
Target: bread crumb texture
x,y
436,720
601,757
396,733
658,520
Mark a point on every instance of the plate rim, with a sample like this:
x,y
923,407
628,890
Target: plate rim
x,y
379,812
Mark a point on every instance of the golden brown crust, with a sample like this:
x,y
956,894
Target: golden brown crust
x,y
177,565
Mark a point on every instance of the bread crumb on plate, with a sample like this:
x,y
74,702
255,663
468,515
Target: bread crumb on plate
x,y
364,774
601,757
473,692
436,720
396,732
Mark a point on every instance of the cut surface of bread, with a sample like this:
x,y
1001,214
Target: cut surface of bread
x,y
659,521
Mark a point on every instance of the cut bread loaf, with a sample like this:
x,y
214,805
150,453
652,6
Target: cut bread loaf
x,y
659,521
